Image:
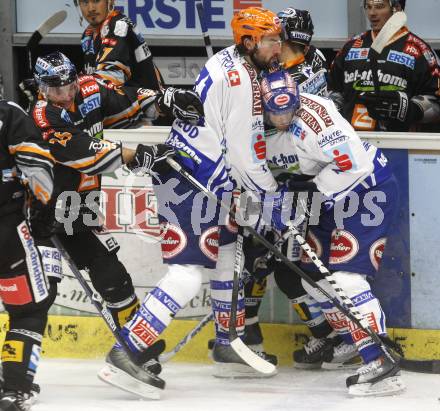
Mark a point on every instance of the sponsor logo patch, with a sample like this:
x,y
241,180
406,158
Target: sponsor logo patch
x,y
357,54
208,243
359,334
36,274
333,139
173,242
343,247
15,291
89,88
145,332
257,105
258,147
12,351
402,58
39,114
310,120
412,50
234,78
318,109
376,252
89,104
315,245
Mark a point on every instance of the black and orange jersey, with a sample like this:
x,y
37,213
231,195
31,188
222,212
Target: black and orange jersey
x,y
117,52
24,157
310,72
75,136
406,64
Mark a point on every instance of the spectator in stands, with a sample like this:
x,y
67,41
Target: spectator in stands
x,y
408,77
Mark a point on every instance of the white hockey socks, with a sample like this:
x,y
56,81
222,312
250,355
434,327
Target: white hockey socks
x,y
359,291
221,295
161,304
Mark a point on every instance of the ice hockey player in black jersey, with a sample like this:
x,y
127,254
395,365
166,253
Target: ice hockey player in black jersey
x,y
71,116
29,269
408,75
113,49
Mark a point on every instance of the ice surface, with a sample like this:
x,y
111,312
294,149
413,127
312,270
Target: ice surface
x,y
72,385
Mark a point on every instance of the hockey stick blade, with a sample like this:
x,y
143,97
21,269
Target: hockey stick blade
x,y
422,366
165,357
252,359
46,27
391,27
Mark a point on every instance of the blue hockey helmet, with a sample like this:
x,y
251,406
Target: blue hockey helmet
x,y
54,70
281,98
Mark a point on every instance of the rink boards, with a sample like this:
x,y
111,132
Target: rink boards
x,y
88,337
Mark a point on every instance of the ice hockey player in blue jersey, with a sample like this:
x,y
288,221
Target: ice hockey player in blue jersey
x,y
307,66
223,151
360,194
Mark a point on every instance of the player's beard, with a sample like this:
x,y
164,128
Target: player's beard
x,y
260,63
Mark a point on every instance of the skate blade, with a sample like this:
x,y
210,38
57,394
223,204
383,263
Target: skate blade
x,y
331,366
388,386
307,366
236,370
118,378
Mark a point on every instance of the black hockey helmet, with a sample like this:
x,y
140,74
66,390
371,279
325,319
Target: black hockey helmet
x,y
393,3
297,25
54,70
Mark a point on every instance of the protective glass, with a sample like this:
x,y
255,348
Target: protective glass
x,y
60,92
280,120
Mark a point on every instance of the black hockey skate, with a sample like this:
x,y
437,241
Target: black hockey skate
x,y
253,338
33,394
227,364
379,377
123,373
342,356
310,356
15,401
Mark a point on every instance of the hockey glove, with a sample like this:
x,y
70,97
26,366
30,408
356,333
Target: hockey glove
x,y
255,252
149,159
281,203
391,106
41,219
183,104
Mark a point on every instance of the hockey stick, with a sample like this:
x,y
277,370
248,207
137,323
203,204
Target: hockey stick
x,y
153,351
349,310
390,28
27,86
423,366
165,357
243,351
302,219
206,37
251,358
47,26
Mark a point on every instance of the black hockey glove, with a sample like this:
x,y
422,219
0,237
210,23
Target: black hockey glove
x,y
183,104
255,252
149,159
391,106
41,219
